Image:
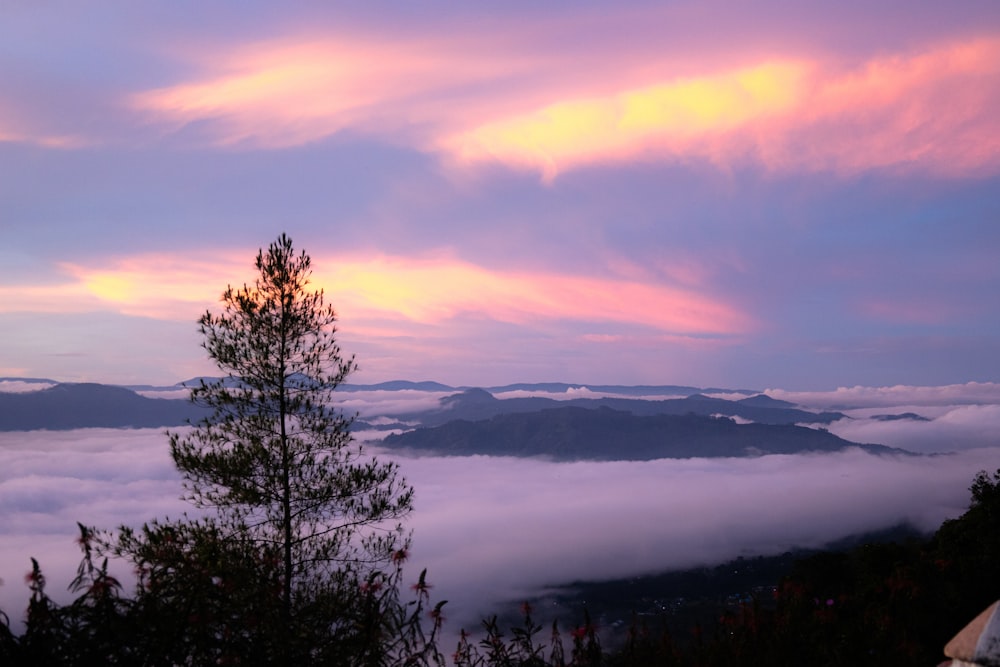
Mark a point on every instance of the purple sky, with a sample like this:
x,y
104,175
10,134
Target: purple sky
x,y
699,193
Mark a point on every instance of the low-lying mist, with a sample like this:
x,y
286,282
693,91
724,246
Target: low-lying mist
x,y
492,531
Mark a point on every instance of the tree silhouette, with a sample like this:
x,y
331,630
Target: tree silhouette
x,y
276,461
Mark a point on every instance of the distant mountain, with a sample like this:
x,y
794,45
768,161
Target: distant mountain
x,y
479,404
85,405
765,401
911,416
397,385
623,390
82,405
544,387
28,380
603,434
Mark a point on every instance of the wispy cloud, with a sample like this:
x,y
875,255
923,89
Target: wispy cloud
x,y
435,290
16,130
931,109
405,289
152,285
671,118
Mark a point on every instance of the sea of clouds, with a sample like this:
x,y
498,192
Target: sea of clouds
x,y
493,530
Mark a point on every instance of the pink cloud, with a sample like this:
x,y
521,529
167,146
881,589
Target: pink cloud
x,y
439,289
551,91
672,117
148,285
931,109
391,293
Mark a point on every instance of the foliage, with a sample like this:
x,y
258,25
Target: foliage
x,y
276,462
524,650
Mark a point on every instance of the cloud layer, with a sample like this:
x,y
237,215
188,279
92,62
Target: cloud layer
x,y
494,530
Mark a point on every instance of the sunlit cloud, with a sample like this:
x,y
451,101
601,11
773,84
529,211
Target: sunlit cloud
x,y
433,290
427,291
150,285
933,109
672,118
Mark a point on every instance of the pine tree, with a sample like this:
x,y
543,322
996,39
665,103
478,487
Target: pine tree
x,y
276,460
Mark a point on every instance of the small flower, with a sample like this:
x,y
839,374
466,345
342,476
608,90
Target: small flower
x,y
421,586
400,555
371,586
526,609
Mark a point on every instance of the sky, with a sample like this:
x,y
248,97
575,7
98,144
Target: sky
x,y
768,194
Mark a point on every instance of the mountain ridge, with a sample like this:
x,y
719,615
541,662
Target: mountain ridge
x,y
67,406
573,433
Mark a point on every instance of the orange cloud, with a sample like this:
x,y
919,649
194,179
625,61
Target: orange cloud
x,y
934,109
387,289
434,291
672,117
156,286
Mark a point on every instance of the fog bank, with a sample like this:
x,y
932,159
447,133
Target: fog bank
x,y
494,530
